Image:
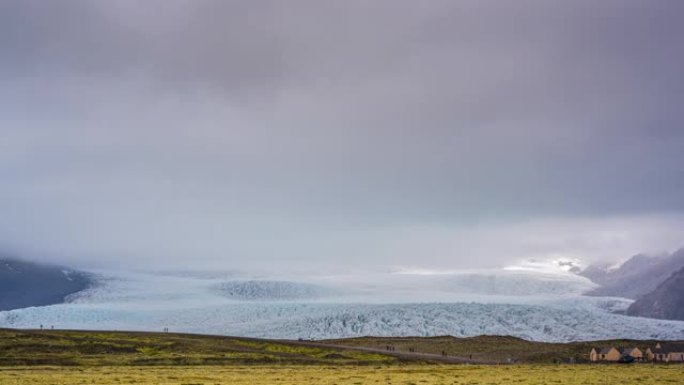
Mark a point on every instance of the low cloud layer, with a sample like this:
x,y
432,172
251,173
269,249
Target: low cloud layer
x,y
339,136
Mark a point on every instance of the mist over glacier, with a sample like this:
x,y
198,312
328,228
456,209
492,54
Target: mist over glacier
x,y
526,304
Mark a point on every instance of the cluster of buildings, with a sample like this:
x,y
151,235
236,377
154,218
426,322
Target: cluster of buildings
x,y
666,352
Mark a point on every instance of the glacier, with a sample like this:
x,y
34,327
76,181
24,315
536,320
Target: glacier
x,y
527,305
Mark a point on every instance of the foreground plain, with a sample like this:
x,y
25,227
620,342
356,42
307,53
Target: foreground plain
x,y
99,357
353,375
107,348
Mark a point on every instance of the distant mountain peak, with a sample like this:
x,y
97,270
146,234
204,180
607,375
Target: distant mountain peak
x,y
666,301
635,277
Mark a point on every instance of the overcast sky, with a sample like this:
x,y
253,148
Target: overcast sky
x,y
340,135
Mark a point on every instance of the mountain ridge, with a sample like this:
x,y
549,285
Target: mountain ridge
x,y
665,302
636,277
25,284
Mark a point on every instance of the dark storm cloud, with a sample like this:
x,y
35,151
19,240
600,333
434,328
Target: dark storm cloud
x,y
317,130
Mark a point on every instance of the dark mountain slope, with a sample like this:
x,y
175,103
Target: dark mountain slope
x,y
636,277
666,301
25,284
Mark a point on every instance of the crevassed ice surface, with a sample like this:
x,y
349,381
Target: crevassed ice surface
x,y
542,307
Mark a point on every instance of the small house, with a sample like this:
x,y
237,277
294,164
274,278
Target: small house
x,y
604,354
667,352
593,355
634,353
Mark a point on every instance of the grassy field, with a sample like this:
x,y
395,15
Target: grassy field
x,y
92,348
492,348
80,357
352,375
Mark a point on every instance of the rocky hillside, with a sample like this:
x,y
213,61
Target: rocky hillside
x,y
636,277
666,301
25,284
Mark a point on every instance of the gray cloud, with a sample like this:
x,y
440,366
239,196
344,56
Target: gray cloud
x,y
242,133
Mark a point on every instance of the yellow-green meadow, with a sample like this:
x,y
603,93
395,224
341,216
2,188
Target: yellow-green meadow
x,y
352,375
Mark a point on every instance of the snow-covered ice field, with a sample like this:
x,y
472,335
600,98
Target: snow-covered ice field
x,y
531,305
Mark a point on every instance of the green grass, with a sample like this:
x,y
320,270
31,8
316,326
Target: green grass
x,y
81,348
96,348
492,348
349,375
106,358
